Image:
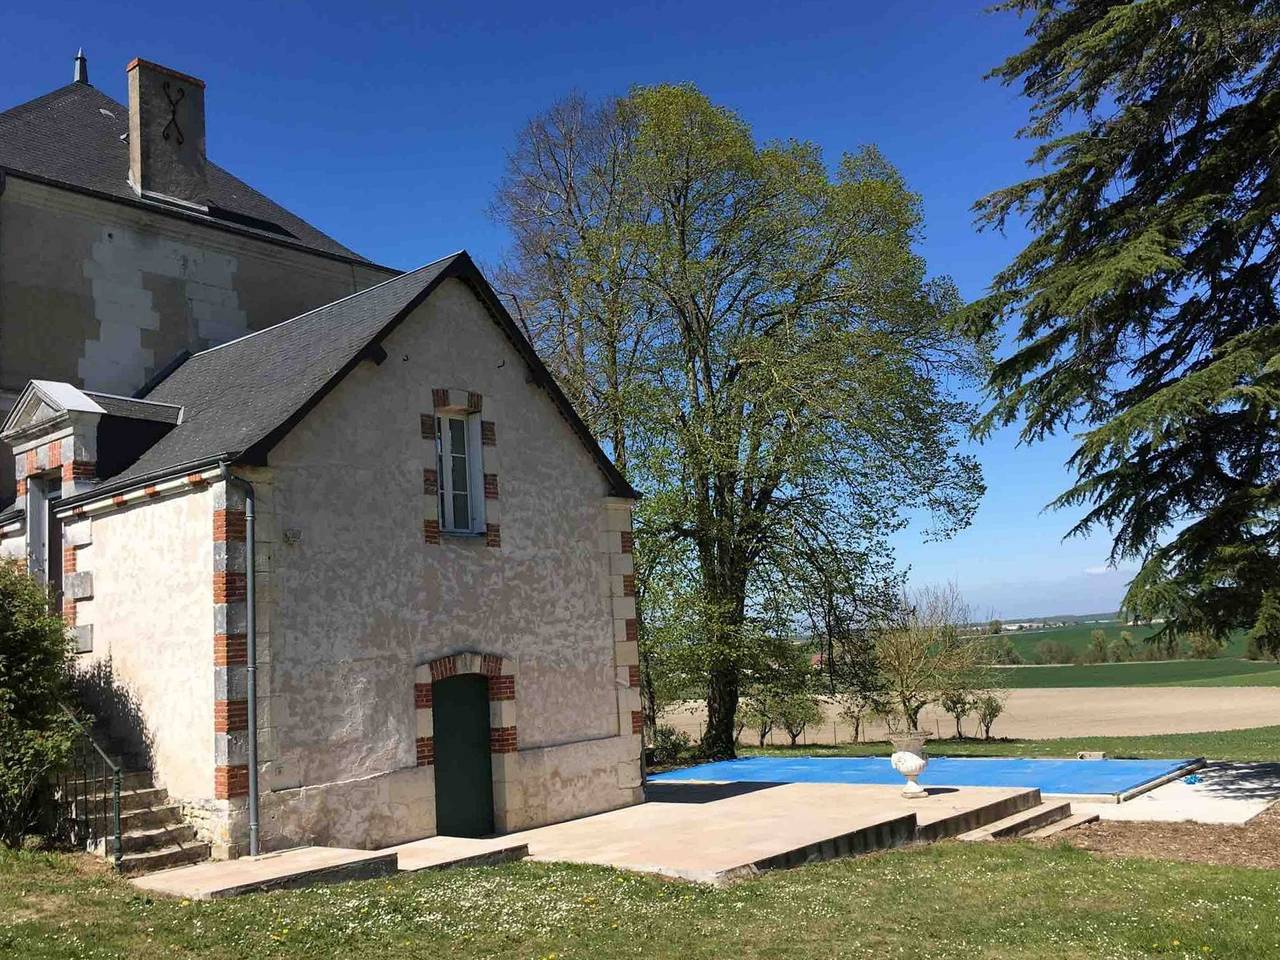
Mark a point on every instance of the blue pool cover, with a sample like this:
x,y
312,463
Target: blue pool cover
x,y
1051,776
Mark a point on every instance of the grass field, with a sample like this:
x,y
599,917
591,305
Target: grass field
x,y
1220,672
1077,636
1257,744
944,902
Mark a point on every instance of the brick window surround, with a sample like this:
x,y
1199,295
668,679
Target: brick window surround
x,y
452,401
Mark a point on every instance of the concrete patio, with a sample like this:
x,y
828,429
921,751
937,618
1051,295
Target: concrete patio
x,y
716,833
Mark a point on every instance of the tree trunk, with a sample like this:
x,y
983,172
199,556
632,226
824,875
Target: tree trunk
x,y
722,706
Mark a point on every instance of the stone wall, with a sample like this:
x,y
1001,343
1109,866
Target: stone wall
x,y
102,295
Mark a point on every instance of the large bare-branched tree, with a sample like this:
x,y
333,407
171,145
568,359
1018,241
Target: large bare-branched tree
x,y
753,334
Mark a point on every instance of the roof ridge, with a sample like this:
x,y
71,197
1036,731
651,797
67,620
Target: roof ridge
x,y
326,306
119,396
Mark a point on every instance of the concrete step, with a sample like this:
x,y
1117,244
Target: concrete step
x,y
1020,823
154,838
1066,823
129,780
171,856
149,818
975,819
139,799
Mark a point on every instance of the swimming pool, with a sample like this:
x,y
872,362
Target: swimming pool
x,y
1093,777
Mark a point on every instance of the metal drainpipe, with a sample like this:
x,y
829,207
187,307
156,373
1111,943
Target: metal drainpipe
x,y
251,644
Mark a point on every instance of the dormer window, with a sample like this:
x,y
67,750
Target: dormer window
x,y
459,467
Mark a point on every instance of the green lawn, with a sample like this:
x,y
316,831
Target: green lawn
x,y
944,902
1078,636
1258,743
1221,672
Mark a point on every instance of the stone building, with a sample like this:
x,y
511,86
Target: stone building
x,y
370,552
122,245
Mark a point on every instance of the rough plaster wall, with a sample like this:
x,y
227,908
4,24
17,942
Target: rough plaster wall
x,y
360,599
152,616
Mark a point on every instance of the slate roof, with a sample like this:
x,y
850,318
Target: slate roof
x,y
240,398
71,137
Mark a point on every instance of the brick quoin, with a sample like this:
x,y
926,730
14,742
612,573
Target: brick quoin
x,y
68,559
426,750
488,433
637,721
439,397
474,402
491,665
232,781
444,668
430,483
69,612
632,633
633,676
428,426
628,585
491,486
230,650
502,739
32,462
422,696
502,688
492,535
228,586
22,489
78,470
54,457
628,541
431,531
228,526
230,715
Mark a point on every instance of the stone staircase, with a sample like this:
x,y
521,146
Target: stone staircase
x,y
153,834
1042,820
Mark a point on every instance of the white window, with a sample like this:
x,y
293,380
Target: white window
x,y
460,473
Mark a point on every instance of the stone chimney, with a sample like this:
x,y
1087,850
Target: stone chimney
x,y
166,132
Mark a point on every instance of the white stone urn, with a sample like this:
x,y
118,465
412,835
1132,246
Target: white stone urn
x,y
909,759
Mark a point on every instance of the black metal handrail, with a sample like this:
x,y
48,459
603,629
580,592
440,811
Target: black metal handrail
x,y
86,795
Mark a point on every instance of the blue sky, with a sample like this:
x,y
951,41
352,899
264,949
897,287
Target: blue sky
x,y
386,125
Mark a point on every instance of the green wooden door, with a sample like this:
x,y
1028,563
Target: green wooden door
x,y
464,775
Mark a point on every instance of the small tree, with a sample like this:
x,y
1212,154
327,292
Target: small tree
x,y
923,655
958,701
995,628
1126,644
35,734
1098,646
758,711
988,706
796,712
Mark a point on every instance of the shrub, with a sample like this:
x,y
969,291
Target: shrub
x,y
988,706
1203,646
670,745
796,712
1054,651
35,734
1006,654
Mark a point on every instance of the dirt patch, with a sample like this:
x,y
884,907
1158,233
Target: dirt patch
x,y
1254,844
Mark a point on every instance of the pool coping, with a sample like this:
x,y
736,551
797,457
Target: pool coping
x,y
1175,774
